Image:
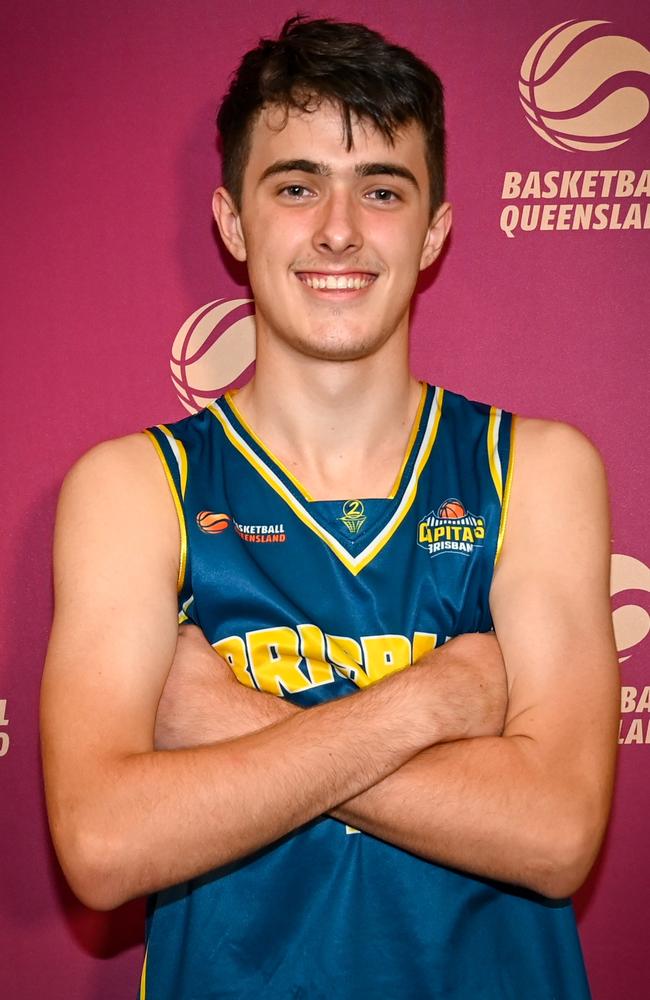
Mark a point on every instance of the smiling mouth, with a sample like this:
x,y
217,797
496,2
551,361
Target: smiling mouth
x,y
336,282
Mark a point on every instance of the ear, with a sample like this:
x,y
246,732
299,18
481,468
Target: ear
x,y
228,220
436,235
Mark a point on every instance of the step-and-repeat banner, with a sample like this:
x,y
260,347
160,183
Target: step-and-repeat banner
x,y
121,310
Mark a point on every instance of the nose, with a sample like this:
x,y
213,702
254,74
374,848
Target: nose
x,y
338,229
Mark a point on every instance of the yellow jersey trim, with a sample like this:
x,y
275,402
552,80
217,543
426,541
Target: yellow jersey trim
x,y
275,483
353,563
411,441
494,425
410,492
143,977
180,454
182,561
301,489
182,614
506,495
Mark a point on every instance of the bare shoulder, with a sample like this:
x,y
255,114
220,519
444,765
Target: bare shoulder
x,y
116,573
548,446
118,493
126,471
132,456
558,510
556,469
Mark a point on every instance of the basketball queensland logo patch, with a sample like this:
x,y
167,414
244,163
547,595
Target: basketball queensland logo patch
x,y
261,532
212,523
451,528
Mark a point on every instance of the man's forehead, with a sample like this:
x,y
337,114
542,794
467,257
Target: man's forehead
x,y
323,128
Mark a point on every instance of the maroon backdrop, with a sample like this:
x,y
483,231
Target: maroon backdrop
x,y
537,306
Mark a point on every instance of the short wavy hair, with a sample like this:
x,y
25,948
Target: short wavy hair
x,y
346,64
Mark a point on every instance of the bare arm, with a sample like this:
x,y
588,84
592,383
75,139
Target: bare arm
x,y
126,819
529,808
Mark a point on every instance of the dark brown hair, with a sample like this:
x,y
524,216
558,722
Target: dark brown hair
x,y
351,66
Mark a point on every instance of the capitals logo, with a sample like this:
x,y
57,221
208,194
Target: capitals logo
x,y
451,528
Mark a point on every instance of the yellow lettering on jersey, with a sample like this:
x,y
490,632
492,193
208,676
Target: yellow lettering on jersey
x,y
479,530
425,535
233,651
274,656
438,533
284,660
423,642
345,655
383,655
312,649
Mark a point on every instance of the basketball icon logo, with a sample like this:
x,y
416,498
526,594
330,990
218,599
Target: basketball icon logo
x,y
631,620
451,508
212,524
580,86
214,347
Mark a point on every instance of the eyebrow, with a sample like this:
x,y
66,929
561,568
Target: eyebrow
x,y
386,170
324,170
303,166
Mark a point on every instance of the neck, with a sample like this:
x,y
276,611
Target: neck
x,y
341,427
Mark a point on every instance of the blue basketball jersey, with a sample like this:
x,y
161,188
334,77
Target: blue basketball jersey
x,y
311,600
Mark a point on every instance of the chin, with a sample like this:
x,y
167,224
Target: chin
x,y
343,352
344,348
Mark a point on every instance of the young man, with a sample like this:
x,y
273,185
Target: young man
x,y
330,525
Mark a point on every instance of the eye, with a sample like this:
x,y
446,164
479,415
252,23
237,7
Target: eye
x,y
295,192
383,195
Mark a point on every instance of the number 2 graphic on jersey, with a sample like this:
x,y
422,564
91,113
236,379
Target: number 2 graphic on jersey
x,y
353,516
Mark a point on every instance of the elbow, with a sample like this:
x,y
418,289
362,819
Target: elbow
x,y
91,865
97,894
557,881
564,858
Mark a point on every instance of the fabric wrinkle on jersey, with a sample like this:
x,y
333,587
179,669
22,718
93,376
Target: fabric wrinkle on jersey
x,y
312,600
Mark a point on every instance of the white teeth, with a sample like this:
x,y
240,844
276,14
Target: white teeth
x,y
336,282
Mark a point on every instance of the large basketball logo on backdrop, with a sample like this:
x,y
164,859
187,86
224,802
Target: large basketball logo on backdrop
x,y
584,89
4,721
629,578
581,86
630,590
212,349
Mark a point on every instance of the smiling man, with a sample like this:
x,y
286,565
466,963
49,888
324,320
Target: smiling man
x,y
377,227
351,789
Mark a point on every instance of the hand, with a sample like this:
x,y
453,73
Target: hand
x,y
466,684
203,702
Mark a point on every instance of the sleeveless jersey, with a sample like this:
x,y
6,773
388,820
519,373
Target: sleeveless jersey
x,y
311,600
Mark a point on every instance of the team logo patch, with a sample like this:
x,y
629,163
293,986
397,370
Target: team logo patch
x,y
210,523
260,532
452,528
354,516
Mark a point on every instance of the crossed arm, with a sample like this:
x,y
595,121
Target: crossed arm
x,y
415,760
529,807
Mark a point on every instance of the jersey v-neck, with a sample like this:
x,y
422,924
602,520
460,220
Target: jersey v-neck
x,y
355,528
